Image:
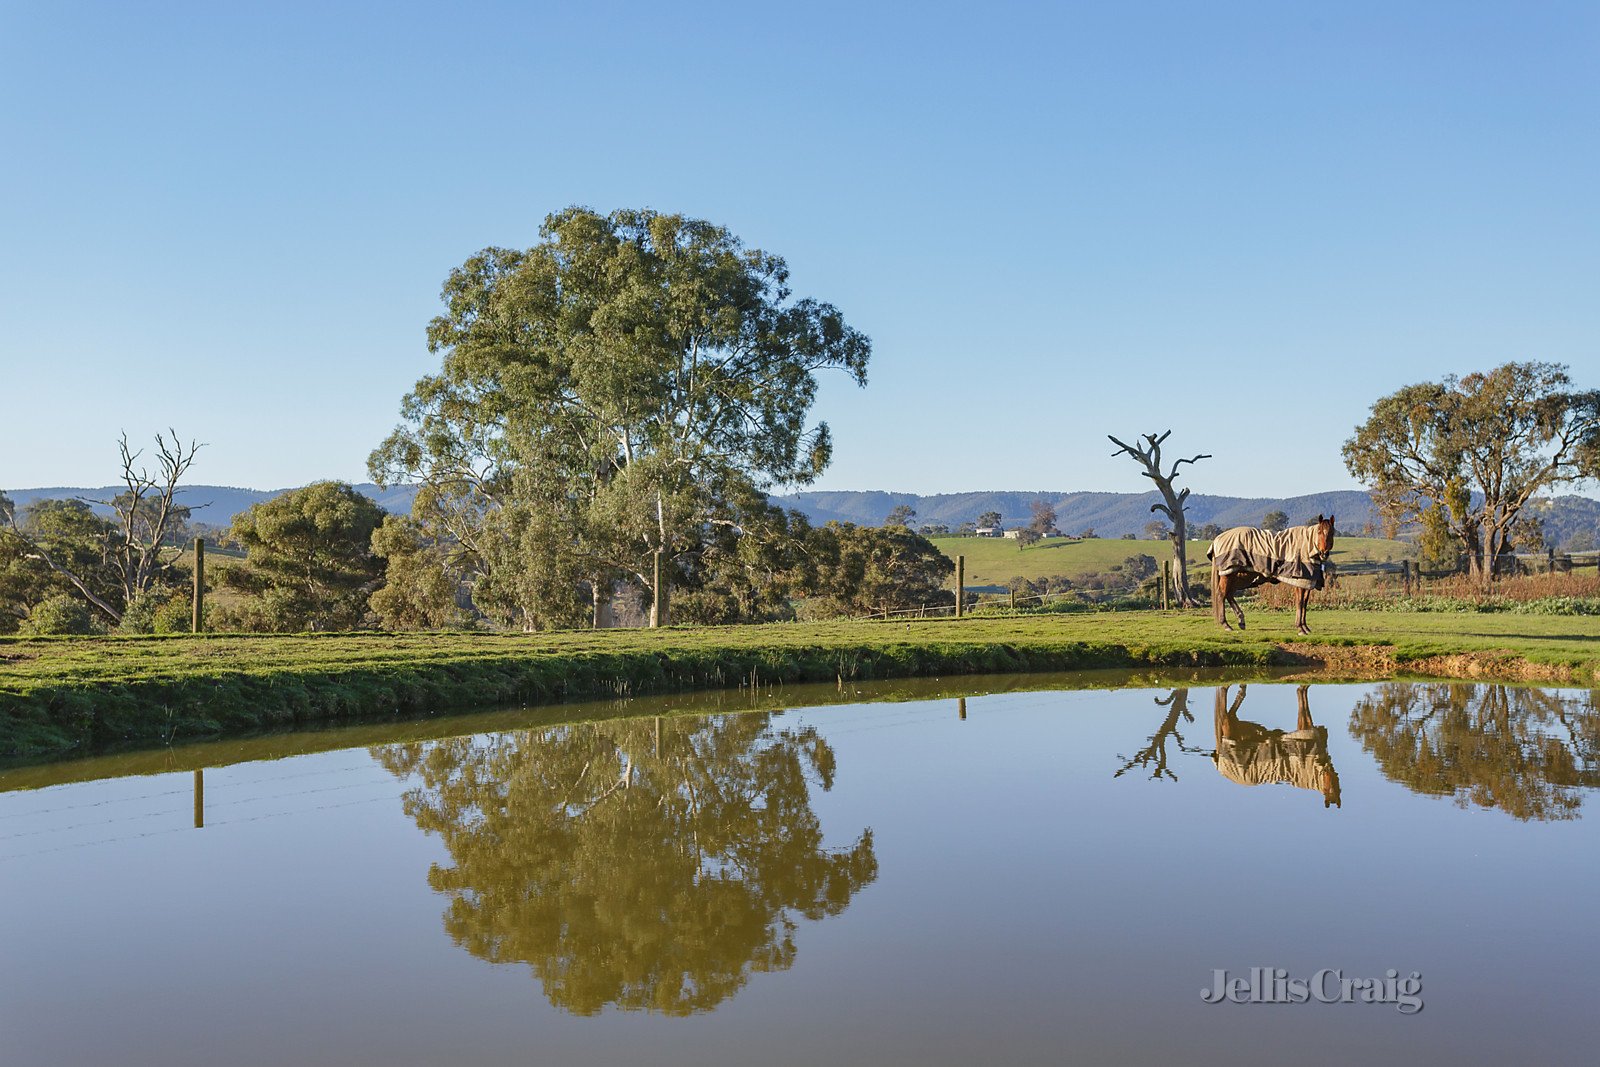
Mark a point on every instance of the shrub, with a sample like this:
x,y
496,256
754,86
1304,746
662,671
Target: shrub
x,y
60,614
160,611
175,615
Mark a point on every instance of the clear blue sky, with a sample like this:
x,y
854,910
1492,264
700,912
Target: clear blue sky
x,y
1244,222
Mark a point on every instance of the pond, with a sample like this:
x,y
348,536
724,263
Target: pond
x,y
1200,872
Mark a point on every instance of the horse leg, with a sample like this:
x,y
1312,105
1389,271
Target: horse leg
x,y
1237,610
1302,597
1225,718
1219,599
1303,720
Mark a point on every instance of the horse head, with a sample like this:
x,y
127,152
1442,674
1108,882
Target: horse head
x,y
1324,535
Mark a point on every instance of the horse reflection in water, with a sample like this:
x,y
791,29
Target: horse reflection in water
x,y
1250,754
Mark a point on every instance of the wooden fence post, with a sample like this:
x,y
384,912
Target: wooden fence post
x,y
961,585
199,620
1166,580
199,799
961,707
1013,599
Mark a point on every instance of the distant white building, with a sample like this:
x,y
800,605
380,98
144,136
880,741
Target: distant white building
x,y
989,531
1011,533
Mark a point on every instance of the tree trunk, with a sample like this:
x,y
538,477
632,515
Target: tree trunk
x,y
1476,571
1180,558
659,577
658,593
1484,552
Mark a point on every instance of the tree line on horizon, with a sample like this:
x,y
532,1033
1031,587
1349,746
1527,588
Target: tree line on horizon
x,y
611,409
327,557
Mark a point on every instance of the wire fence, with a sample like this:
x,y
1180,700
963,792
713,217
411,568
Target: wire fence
x,y
1160,592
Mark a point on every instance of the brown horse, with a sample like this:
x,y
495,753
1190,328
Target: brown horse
x,y
1245,557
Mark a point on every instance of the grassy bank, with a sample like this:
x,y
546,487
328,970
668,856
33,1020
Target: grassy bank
x,y
59,694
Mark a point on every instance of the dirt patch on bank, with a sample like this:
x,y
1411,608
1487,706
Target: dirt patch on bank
x,y
1381,661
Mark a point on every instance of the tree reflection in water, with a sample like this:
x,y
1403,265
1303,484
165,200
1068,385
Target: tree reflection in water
x,y
646,863
1153,757
1527,752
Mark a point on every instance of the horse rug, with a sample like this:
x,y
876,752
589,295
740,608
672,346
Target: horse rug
x,y
1286,557
1299,759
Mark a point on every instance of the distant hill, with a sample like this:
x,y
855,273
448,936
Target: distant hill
x,y
1110,514
1570,522
215,505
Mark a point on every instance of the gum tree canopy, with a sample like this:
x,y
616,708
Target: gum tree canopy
x,y
607,395
1465,455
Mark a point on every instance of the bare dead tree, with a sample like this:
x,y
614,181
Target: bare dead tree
x,y
145,514
1149,456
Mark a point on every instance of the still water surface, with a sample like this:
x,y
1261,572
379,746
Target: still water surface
x,y
1022,877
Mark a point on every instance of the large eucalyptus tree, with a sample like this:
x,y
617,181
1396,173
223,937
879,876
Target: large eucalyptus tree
x,y
618,386
1466,455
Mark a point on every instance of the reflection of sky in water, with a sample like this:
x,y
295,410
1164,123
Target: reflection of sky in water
x,y
1027,904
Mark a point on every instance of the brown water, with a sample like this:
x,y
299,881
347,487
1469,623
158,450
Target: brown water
x,y
1013,877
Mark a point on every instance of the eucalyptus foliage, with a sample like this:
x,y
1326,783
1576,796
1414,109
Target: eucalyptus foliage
x,y
606,397
311,564
1464,456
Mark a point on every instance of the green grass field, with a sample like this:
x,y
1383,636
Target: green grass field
x,y
996,560
58,694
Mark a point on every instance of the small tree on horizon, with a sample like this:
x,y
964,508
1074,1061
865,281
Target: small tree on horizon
x,y
901,515
1276,521
1044,517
